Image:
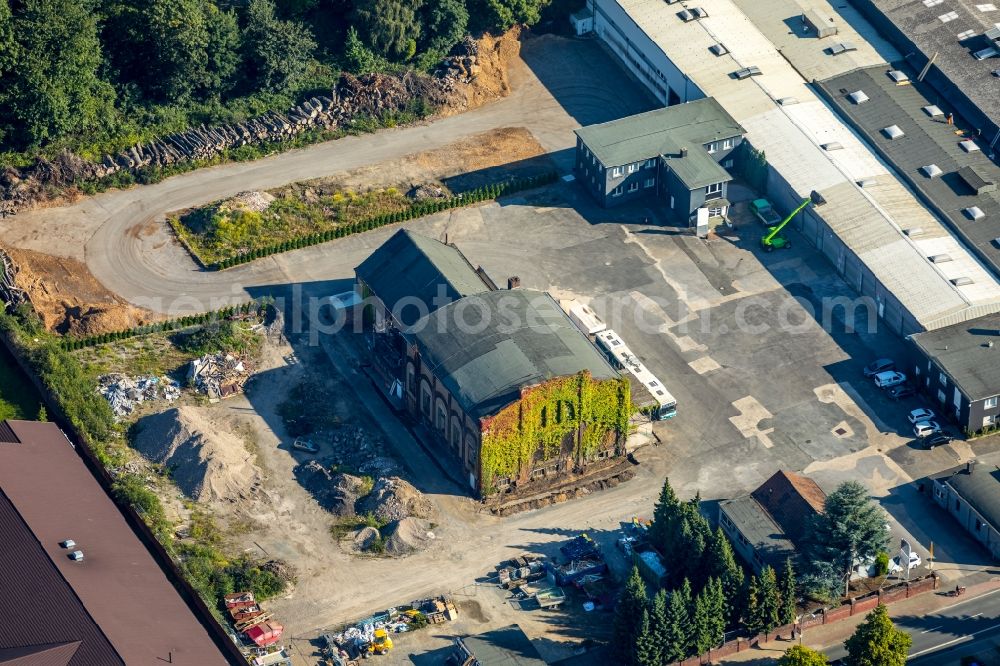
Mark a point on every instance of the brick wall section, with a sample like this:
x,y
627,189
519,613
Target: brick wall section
x,y
854,607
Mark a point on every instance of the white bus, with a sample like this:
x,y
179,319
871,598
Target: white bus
x,y
648,392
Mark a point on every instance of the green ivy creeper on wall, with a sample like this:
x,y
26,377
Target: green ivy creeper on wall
x,y
534,428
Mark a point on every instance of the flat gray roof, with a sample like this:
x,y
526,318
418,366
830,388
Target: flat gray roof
x,y
697,169
507,646
660,132
487,347
926,141
963,352
923,26
759,528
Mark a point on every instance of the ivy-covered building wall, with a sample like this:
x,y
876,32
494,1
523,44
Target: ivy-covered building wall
x,y
558,426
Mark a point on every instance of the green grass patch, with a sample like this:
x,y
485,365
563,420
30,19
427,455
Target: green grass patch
x,y
221,231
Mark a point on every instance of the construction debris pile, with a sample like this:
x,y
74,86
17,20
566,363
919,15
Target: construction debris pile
x,y
219,375
251,621
462,66
372,634
10,293
123,393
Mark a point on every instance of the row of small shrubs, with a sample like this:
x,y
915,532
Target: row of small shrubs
x,y
416,210
255,306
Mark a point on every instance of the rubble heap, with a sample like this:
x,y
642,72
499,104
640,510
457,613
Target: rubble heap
x,y
219,375
123,393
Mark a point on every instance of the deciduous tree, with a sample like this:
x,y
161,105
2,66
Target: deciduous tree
x,y
877,642
279,51
801,655
445,23
390,27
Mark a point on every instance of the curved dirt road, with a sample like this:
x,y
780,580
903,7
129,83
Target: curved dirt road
x,y
126,245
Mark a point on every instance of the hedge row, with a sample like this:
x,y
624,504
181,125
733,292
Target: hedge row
x,y
418,209
255,306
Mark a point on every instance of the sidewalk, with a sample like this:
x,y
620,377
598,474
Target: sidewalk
x,y
830,635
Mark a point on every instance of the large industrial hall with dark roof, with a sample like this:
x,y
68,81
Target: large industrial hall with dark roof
x,y
463,354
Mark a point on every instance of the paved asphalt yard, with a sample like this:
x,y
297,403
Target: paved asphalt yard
x,y
760,383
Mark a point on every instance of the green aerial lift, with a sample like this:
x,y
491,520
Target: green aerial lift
x,y
773,240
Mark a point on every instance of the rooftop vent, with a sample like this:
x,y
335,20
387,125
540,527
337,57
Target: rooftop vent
x,y
988,52
931,170
842,47
788,101
974,212
867,182
975,181
692,14
858,97
823,25
996,72
68,543
940,258
899,77
969,146
747,72
961,281
833,145
933,110
817,198
893,132
718,49
76,556
996,241
913,231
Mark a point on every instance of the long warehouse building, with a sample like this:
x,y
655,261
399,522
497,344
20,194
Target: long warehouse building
x,y
744,55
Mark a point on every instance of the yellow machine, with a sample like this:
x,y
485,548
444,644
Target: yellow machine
x,y
381,644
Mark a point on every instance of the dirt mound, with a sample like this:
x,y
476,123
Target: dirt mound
x,y
71,300
335,492
256,202
207,463
402,537
490,81
394,499
365,538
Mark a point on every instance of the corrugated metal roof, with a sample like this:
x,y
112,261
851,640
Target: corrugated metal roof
x,y
659,132
869,222
40,611
487,347
120,585
414,275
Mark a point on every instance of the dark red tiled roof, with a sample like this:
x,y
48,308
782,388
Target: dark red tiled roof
x,y
792,500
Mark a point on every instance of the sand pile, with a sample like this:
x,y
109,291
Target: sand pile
x,y
207,462
393,499
402,537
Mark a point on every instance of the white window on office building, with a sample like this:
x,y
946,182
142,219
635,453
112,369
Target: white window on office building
x,y
713,191
617,192
943,378
989,420
650,182
616,172
650,163
727,144
671,201
633,187
711,147
728,164
990,403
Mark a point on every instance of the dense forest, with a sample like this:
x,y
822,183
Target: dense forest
x,y
95,76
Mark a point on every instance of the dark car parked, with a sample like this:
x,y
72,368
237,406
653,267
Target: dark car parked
x,y
900,391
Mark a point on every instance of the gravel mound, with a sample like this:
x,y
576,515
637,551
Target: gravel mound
x,y
393,499
335,491
402,537
256,202
207,463
365,537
